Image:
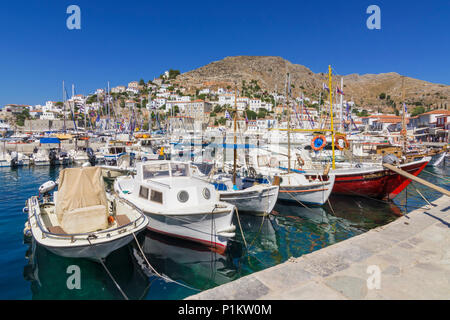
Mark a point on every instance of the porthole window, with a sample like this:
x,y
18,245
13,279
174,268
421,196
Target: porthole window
x,y
183,196
206,193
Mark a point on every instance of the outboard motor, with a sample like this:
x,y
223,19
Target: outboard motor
x,y
14,159
92,157
391,159
52,156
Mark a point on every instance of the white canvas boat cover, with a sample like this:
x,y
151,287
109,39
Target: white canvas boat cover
x,y
81,204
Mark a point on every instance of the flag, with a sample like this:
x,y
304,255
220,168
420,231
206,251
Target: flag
x,y
325,87
246,119
227,115
339,91
404,107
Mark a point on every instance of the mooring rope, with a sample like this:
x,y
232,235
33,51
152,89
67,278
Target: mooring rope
x,y
156,272
438,176
107,271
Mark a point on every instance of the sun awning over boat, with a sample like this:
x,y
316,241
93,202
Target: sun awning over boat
x,y
49,140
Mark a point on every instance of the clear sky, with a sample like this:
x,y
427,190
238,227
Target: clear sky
x,y
121,41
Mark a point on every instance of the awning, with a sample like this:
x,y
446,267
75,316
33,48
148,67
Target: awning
x,y
49,140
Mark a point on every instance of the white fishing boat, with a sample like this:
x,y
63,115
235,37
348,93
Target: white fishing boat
x,y
294,184
177,203
122,167
248,195
81,220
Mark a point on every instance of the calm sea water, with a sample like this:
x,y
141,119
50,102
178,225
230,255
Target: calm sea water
x,y
31,272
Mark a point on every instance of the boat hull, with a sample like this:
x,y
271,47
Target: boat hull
x,y
311,195
204,228
378,183
93,252
255,200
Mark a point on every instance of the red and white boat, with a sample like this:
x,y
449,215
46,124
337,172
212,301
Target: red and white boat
x,y
373,180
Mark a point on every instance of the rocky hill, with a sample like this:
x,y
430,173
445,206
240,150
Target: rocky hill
x,y
270,72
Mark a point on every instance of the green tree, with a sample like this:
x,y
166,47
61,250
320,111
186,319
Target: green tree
x,y
142,82
173,73
382,96
418,110
251,115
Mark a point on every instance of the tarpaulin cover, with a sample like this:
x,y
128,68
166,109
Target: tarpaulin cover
x,y
81,204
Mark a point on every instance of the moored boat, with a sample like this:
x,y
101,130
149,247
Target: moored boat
x,y
81,220
178,204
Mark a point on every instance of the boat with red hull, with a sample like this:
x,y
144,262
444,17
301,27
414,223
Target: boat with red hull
x,y
375,181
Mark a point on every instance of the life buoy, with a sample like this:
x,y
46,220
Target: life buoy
x,y
318,143
403,132
345,142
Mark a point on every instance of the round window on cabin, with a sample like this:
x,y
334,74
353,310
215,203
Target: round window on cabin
x,y
206,193
183,196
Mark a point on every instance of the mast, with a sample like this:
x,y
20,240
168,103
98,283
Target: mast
x,y
331,114
235,140
288,90
64,107
403,132
342,106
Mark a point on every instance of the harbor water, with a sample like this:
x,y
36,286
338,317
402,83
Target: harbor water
x,y
291,230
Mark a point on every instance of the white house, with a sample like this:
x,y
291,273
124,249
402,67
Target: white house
x,y
133,90
48,115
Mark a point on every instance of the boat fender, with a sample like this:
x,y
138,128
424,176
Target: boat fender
x,y
300,161
46,187
27,231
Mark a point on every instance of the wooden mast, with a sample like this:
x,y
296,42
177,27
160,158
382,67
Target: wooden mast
x,y
403,132
331,115
235,140
288,89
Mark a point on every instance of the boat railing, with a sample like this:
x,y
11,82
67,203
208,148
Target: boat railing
x,y
72,236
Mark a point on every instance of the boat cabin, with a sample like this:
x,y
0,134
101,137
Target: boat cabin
x,y
169,185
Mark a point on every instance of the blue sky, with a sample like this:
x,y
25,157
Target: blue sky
x,y
121,41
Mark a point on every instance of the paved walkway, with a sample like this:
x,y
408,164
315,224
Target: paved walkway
x,y
412,254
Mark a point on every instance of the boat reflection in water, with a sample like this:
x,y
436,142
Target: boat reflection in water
x,y
50,275
189,263
305,229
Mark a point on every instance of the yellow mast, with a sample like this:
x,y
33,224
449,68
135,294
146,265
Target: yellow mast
x,y
331,115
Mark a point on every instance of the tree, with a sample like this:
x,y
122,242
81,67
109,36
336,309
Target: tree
x,y
173,73
382,96
218,109
417,110
20,118
251,115
142,82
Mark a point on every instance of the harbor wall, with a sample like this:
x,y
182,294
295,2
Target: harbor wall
x,y
408,258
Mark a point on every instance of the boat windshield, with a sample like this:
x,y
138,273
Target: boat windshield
x,y
150,171
179,169
263,161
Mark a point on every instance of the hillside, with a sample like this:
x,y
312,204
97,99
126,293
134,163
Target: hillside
x,y
270,73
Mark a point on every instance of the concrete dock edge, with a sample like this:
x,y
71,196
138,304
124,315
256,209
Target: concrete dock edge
x,y
408,258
